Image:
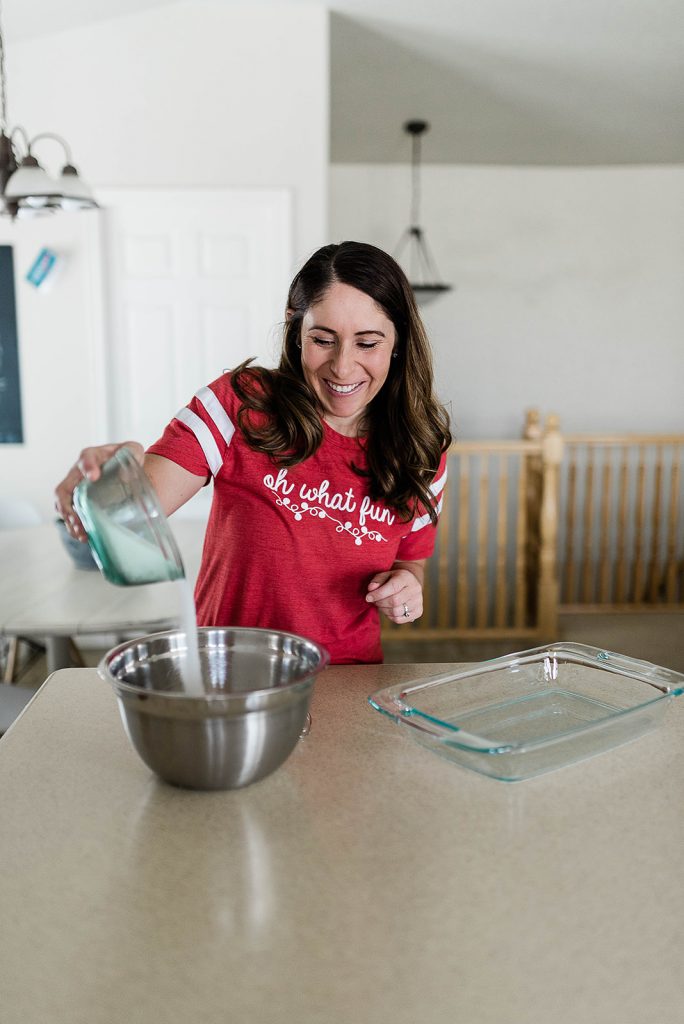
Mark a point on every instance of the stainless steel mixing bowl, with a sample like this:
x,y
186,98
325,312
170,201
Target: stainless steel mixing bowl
x,y
258,684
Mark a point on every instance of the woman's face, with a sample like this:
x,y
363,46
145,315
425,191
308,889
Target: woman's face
x,y
347,344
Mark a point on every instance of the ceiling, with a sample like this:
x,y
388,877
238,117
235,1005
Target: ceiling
x,y
567,82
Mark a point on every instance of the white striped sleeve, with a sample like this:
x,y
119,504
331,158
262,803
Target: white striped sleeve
x,y
210,405
204,436
436,488
218,414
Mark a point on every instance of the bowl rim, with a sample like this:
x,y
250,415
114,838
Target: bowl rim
x,y
211,698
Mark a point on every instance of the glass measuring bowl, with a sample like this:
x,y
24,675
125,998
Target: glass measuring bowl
x,y
128,533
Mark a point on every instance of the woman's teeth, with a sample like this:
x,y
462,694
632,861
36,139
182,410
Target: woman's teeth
x,y
342,389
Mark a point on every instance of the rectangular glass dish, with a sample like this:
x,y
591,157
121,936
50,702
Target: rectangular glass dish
x,y
534,711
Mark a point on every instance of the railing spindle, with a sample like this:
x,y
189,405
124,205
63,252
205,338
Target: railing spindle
x,y
621,568
501,537
639,566
570,563
656,525
673,512
588,528
604,539
481,598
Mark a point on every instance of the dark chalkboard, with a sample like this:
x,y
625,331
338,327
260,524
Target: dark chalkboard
x,y
11,431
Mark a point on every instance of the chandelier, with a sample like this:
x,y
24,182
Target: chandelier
x,y
26,189
422,271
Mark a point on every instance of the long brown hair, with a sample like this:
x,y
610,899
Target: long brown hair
x,y
406,428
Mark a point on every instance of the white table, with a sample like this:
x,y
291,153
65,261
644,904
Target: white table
x,y
43,594
366,881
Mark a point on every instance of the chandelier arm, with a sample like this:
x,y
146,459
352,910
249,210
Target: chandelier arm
x,y
19,130
428,258
401,244
56,138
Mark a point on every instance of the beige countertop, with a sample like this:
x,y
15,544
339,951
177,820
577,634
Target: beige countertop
x,y
367,881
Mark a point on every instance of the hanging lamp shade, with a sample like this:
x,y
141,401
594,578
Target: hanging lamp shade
x,y
422,271
30,185
75,193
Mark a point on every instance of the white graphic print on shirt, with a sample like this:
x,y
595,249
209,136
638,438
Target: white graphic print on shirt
x,y
312,500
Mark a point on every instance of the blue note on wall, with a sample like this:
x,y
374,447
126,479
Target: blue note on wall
x,y
11,430
42,266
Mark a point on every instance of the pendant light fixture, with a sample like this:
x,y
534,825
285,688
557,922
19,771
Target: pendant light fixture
x,y
26,189
422,271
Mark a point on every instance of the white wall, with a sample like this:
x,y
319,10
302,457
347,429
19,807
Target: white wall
x,y
569,288
61,346
199,93
195,95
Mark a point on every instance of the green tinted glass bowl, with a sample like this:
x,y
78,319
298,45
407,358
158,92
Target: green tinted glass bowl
x,y
128,532
528,713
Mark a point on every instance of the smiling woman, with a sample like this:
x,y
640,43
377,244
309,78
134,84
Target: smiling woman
x,y
347,363
327,472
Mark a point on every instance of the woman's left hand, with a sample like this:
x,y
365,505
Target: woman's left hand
x,y
399,592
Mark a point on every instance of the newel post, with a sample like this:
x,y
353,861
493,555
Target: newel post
x,y
548,593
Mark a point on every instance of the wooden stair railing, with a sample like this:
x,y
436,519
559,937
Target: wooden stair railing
x,y
494,571
591,523
622,523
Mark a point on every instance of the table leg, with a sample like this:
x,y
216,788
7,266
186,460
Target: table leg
x,y
59,652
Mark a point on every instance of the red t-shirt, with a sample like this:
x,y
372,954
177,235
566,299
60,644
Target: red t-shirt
x,y
290,548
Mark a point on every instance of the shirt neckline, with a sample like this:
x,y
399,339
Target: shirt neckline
x,y
343,440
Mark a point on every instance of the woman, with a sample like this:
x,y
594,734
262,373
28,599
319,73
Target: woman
x,y
327,472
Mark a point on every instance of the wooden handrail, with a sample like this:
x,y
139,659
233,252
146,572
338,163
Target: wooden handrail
x,y
614,503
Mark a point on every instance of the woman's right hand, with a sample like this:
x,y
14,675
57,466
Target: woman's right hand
x,y
87,465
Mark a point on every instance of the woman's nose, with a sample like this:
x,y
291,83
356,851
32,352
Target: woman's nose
x,y
343,361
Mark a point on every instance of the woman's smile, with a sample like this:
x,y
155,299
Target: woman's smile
x,y
343,389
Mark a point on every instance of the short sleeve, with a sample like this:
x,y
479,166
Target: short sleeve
x,y
420,541
200,434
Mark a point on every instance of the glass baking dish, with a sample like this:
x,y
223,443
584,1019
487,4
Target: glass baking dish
x,y
534,711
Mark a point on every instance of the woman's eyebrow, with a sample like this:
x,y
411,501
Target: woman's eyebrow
x,y
329,330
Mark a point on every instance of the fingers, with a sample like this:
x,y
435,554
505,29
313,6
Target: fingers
x,y
397,594
87,465
386,585
377,581
403,611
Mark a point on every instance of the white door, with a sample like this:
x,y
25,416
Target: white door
x,y
197,282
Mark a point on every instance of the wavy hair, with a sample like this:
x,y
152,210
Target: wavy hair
x,y
405,426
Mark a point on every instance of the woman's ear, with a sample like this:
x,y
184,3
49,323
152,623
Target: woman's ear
x,y
289,313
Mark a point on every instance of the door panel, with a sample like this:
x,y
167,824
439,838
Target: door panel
x,y
197,282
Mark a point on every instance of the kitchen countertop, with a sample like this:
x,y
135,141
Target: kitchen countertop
x,y
367,881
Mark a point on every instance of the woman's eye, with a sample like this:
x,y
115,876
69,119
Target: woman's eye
x,y
367,344
324,342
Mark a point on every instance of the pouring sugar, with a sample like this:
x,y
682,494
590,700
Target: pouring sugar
x,y
145,561
191,669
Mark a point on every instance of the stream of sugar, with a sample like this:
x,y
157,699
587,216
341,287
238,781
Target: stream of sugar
x,y
144,562
191,669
